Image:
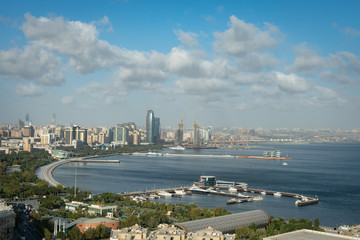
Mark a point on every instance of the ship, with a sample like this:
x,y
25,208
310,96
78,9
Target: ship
x,y
303,200
269,155
177,148
197,190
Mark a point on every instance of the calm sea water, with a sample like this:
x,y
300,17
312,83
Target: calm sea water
x,y
330,171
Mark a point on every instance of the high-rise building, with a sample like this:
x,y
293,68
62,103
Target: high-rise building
x,y
153,128
121,134
21,124
150,122
196,140
7,220
75,133
28,131
157,131
179,134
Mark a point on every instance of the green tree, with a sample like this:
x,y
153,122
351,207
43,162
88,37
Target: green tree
x,y
75,234
242,233
47,234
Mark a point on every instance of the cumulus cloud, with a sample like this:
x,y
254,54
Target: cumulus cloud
x,y
291,83
242,38
32,63
187,38
326,97
306,60
77,40
29,90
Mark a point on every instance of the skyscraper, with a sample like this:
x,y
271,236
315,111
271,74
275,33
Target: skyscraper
x,y
196,141
156,131
150,123
153,128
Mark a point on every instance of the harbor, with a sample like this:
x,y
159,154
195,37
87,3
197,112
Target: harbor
x,y
208,185
309,173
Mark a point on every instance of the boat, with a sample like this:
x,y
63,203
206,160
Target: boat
x,y
152,154
277,194
258,198
232,189
197,190
239,200
284,164
177,148
242,195
303,200
164,194
263,193
180,192
232,201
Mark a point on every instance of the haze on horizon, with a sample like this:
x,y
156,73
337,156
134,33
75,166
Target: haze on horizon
x,y
269,64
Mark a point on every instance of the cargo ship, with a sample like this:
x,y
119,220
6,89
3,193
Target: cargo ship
x,y
270,155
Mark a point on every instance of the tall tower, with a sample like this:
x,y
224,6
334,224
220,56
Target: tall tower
x,y
196,142
156,130
53,119
27,118
150,125
180,134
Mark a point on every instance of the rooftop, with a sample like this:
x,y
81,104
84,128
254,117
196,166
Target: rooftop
x,y
305,234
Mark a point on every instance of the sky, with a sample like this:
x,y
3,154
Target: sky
x,y
269,64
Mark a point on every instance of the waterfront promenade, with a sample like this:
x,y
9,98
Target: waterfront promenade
x,y
46,172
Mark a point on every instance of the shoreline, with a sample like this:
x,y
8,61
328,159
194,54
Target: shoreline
x,y
46,172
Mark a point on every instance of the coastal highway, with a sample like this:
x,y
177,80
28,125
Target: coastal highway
x,y
45,172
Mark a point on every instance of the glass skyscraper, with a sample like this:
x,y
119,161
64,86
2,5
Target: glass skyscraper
x,y
150,122
152,128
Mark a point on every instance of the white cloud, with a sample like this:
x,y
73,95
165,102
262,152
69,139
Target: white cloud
x,y
187,38
256,62
326,93
306,60
67,100
32,63
77,40
29,90
291,83
242,38
347,30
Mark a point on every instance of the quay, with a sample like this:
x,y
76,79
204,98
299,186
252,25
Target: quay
x,y
212,191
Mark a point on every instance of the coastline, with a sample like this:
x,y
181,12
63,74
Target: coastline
x,y
46,172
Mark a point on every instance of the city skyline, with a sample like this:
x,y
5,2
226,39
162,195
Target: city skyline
x,y
221,63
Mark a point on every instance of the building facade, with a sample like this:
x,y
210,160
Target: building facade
x,y
7,222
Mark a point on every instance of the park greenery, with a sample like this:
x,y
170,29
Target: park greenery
x,y
25,184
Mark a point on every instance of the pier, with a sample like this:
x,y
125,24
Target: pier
x,y
302,200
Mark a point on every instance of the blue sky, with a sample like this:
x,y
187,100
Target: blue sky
x,y
251,64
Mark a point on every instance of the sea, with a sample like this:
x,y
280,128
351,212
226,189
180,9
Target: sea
x,y
330,171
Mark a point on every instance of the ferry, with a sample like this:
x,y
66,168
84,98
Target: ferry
x,y
177,148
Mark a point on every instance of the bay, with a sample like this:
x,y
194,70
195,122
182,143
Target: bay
x,y
329,170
